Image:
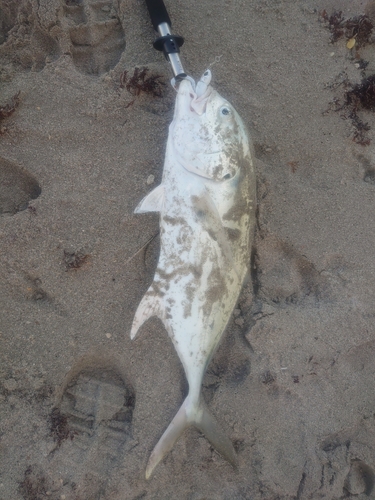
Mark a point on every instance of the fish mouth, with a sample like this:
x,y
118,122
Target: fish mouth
x,y
185,82
192,97
186,86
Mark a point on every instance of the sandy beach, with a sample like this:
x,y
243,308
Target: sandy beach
x,y
85,106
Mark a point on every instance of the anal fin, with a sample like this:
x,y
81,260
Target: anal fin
x,y
149,306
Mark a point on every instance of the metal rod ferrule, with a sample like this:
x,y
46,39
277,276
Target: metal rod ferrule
x,y
173,57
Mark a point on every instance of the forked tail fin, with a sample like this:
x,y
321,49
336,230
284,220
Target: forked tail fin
x,y
192,413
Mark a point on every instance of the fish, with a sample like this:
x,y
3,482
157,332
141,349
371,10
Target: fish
x,y
207,202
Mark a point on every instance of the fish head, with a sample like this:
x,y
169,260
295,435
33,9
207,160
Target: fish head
x,y
209,137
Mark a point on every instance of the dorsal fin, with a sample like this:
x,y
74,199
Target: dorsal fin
x,y
150,305
153,202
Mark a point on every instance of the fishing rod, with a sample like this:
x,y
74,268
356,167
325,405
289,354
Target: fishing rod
x,y
167,43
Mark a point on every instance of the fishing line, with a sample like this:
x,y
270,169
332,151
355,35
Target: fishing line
x,y
216,60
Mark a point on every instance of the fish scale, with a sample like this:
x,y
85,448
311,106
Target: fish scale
x,y
207,215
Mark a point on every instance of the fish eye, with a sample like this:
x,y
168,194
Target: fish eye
x,y
206,73
225,111
226,177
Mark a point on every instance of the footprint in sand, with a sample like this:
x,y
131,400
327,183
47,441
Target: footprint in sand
x,y
17,187
92,429
360,479
286,277
347,464
369,176
7,19
96,34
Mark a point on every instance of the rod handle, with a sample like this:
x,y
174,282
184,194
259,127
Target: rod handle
x,y
158,13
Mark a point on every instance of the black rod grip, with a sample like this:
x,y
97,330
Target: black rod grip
x,y
158,13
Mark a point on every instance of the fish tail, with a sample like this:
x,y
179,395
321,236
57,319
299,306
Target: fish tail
x,y
192,413
168,439
212,431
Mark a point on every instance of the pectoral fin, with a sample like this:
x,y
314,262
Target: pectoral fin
x,y
153,202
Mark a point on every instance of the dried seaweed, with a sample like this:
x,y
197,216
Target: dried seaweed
x,y
360,130
34,485
362,95
359,27
334,23
140,82
60,427
75,260
359,97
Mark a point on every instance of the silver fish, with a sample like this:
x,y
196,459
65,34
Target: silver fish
x,y
207,202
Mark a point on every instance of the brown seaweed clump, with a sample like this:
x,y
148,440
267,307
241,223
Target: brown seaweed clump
x,y
362,95
358,97
60,427
34,485
140,82
358,27
75,260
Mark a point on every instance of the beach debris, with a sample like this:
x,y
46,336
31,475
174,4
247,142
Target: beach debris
x,y
75,260
32,210
351,43
356,99
357,30
362,95
142,81
294,164
34,484
207,204
359,96
150,180
59,427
